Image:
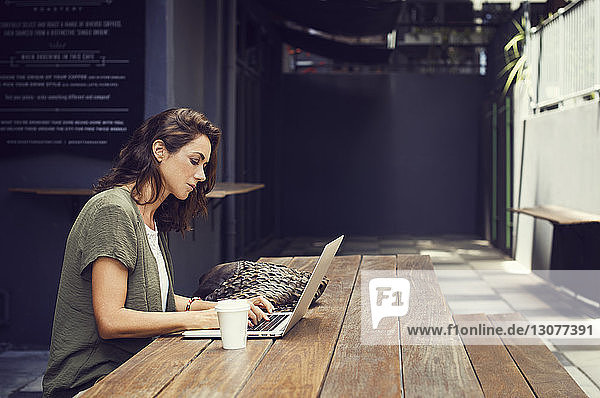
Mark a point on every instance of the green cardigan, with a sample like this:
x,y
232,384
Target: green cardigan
x,y
109,225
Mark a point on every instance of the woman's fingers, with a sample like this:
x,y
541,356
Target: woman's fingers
x,y
253,316
263,302
256,314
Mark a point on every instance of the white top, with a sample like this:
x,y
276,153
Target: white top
x,y
160,261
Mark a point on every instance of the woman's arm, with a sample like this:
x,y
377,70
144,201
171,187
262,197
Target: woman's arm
x,y
256,313
198,305
109,290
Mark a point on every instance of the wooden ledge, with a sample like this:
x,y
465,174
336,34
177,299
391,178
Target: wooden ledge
x,y
221,190
559,215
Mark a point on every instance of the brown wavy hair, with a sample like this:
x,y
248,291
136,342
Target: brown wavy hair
x,y
136,163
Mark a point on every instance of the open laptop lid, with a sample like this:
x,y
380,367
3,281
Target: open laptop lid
x,y
314,281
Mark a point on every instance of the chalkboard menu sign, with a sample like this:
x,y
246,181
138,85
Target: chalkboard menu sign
x,y
71,75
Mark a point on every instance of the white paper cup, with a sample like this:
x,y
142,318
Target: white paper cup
x,y
233,322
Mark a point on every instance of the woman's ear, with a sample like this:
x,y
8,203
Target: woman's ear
x,y
159,150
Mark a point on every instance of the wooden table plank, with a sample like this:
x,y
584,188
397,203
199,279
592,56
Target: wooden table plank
x,y
304,263
147,372
223,189
546,376
498,374
275,260
297,363
217,372
432,370
362,370
54,191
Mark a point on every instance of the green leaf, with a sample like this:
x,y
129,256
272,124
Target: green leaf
x,y
508,67
517,70
514,41
518,26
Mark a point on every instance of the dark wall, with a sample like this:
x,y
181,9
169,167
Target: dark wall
x,y
184,66
380,154
35,227
34,233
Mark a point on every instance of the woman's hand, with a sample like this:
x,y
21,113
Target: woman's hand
x,y
204,319
256,313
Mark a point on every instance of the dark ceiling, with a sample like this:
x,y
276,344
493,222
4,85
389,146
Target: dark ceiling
x,y
324,27
341,17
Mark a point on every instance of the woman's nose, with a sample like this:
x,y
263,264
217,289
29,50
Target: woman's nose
x,y
200,176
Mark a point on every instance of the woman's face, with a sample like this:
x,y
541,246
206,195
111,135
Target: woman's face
x,y
182,170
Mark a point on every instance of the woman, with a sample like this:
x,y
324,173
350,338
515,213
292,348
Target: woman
x,y
116,285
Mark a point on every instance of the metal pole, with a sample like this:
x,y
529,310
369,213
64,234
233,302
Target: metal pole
x,y
597,43
562,59
230,7
518,206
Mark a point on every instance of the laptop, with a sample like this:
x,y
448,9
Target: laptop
x,y
282,322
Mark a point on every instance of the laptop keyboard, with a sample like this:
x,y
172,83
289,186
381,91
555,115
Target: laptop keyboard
x,y
271,324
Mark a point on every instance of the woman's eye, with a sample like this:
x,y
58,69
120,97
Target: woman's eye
x,y
195,162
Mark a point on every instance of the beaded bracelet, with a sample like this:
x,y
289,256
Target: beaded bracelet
x,y
190,301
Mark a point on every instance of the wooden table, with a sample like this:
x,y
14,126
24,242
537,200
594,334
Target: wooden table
x,y
221,190
78,196
323,355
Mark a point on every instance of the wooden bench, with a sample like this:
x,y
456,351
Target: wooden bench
x,y
323,354
559,215
575,245
575,239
